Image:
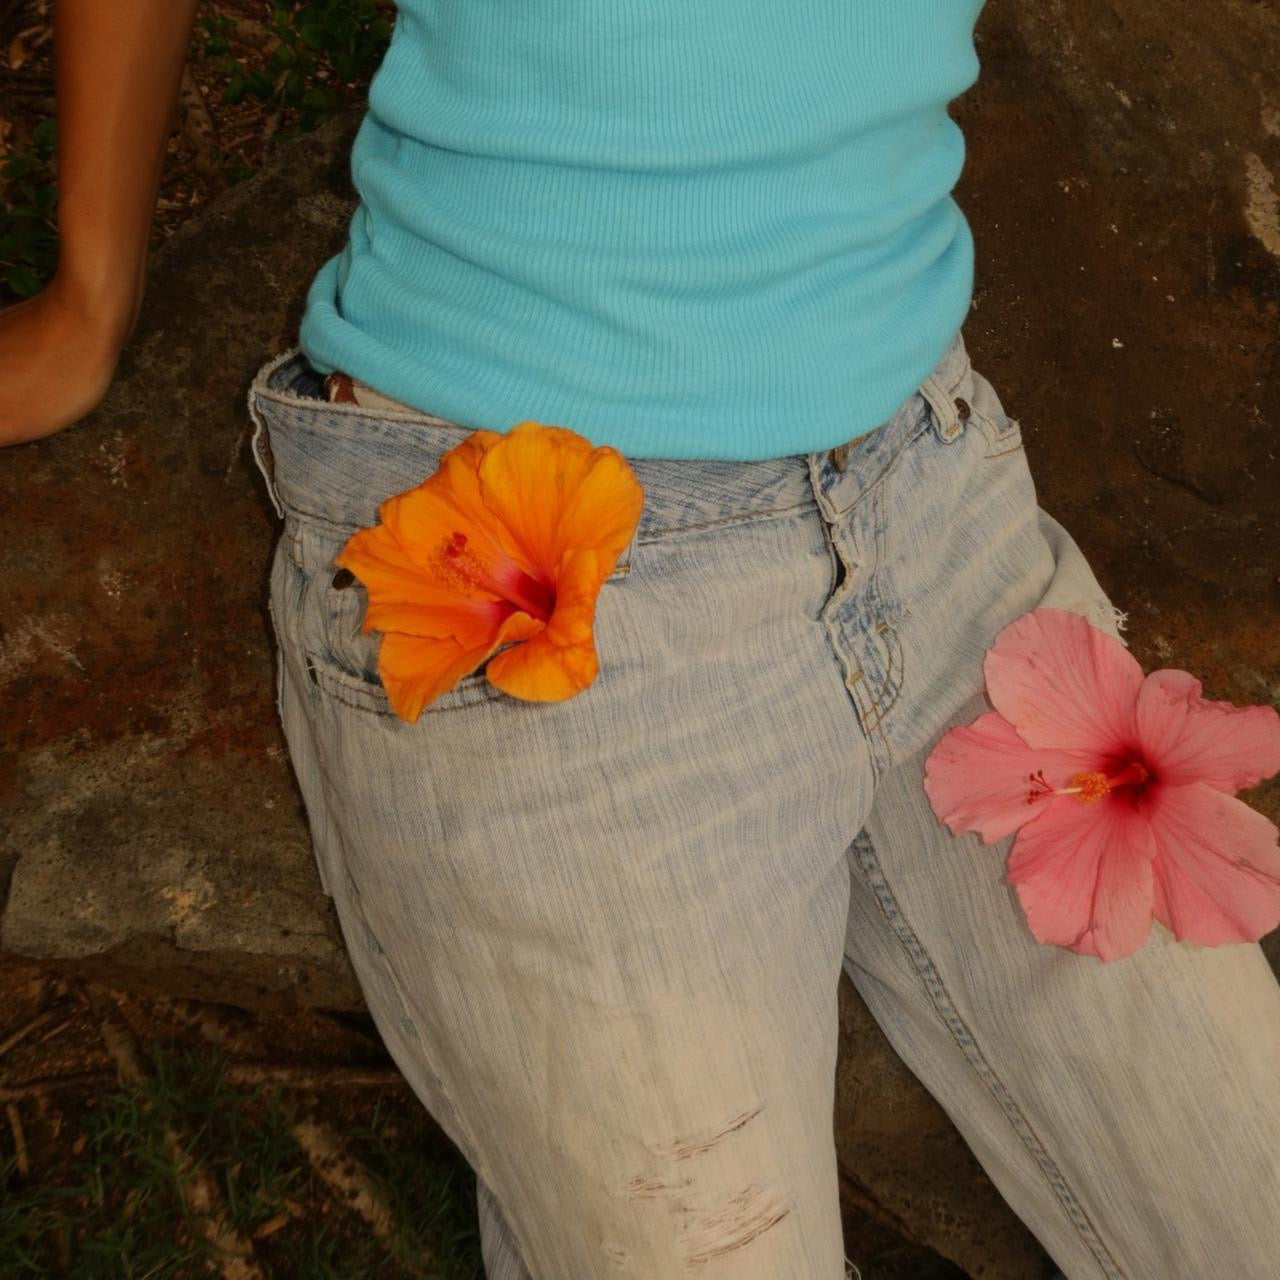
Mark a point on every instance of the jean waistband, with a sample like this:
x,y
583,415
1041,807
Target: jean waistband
x,y
336,462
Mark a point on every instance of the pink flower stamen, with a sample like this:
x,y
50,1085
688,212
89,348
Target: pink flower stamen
x,y
1090,785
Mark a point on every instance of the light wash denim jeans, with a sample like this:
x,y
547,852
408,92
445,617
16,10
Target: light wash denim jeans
x,y
602,937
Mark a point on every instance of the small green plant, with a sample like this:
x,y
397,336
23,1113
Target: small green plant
x,y
433,1196
320,47
115,1210
28,204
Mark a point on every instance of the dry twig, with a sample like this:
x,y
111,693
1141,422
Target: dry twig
x,y
228,1029
32,1024
296,1077
198,128
269,131
19,1139
861,1198
235,1258
353,1184
50,1084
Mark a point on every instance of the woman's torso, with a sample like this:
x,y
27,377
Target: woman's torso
x,y
712,229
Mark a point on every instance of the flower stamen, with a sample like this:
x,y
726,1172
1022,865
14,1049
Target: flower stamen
x,y
1090,785
458,567
462,570
1039,787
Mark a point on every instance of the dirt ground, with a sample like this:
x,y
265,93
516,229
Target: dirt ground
x,y
1128,292
296,1148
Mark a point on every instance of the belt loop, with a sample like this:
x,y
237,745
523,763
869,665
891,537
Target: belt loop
x,y
624,560
949,416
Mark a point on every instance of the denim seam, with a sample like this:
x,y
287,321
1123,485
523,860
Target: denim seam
x,y
1003,453
343,408
310,517
260,452
741,518
891,684
944,1006
865,701
654,535
291,536
875,706
873,486
962,372
363,695
396,417
430,1059
867,708
347,409
995,436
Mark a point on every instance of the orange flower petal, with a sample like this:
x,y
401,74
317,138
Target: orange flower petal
x,y
373,552
541,671
557,492
404,597
604,509
505,546
561,660
424,519
520,626
459,476
415,671
469,622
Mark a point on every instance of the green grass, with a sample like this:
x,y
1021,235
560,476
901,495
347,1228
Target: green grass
x,y
114,1211
321,47
324,53
28,200
433,1204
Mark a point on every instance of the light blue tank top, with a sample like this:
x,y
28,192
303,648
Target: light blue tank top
x,y
685,228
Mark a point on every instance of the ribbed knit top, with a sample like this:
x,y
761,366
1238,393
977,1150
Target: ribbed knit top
x,y
685,228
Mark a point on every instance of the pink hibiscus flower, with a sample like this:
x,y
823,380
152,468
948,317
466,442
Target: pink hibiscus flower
x,y
1121,789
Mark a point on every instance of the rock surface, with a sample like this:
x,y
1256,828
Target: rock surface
x,y
151,821
1124,159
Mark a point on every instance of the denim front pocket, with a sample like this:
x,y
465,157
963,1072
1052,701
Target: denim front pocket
x,y
342,658
329,467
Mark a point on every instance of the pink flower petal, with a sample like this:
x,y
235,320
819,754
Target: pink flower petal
x,y
1188,738
1083,873
978,775
1062,682
1217,866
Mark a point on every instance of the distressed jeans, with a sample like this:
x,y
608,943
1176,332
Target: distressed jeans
x,y
602,937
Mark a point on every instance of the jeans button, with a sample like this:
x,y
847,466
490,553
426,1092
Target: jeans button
x,y
962,410
840,455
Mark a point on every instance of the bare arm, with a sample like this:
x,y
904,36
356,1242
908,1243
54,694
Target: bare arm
x,y
117,68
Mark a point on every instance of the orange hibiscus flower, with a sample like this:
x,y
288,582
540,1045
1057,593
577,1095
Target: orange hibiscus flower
x,y
508,541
